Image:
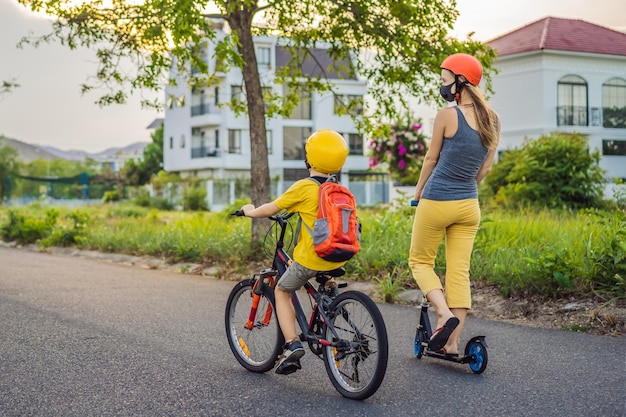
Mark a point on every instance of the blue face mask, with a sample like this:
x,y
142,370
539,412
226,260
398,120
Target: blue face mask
x,y
446,92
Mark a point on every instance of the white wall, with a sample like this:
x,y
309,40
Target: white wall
x,y
526,97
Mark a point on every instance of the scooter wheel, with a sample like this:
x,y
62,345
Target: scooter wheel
x,y
478,351
418,349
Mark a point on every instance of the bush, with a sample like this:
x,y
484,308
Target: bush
x,y
28,229
194,197
111,196
72,235
401,147
145,200
555,171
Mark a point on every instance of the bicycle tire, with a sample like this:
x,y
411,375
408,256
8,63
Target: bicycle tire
x,y
358,372
258,348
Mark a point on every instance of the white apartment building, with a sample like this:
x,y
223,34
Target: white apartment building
x,y
563,75
202,137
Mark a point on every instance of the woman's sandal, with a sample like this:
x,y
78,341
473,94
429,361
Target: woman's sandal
x,y
443,352
442,334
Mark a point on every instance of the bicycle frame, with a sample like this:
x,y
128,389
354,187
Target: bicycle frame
x,y
269,278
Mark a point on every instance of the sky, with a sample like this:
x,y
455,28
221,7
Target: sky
x,y
49,109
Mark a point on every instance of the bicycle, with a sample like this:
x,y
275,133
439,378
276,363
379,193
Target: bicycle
x,y
346,330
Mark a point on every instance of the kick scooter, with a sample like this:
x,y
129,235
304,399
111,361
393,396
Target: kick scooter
x,y
475,349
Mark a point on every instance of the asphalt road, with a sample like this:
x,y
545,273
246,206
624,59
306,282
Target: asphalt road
x,y
80,337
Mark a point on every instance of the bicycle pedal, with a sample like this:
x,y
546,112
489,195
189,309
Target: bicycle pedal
x,y
288,368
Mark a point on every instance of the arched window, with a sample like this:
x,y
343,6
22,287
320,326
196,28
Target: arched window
x,y
572,101
614,103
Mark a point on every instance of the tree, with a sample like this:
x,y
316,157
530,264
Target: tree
x,y
140,172
8,166
153,154
397,45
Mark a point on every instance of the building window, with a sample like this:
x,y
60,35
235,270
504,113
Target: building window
x,y
348,104
613,147
182,141
293,142
201,53
355,144
204,143
217,96
614,103
303,109
270,141
294,174
236,92
572,101
171,142
199,102
234,141
263,55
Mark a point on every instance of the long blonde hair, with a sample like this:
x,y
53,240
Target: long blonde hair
x,y
486,119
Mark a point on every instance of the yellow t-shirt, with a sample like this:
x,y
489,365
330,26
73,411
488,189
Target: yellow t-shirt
x,y
302,197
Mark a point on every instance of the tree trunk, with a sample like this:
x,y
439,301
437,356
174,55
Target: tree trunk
x,y
241,23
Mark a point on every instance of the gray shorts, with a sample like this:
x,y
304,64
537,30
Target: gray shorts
x,y
295,277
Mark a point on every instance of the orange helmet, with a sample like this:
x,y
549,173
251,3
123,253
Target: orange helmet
x,y
465,65
326,151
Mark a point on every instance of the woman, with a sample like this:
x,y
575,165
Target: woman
x,y
461,153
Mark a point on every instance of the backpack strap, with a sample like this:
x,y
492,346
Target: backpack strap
x,y
300,222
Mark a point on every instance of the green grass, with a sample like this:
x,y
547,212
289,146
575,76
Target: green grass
x,y
548,252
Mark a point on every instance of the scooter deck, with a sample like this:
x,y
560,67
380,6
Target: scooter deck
x,y
448,357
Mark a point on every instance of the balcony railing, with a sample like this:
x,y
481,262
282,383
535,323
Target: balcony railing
x,y
205,152
572,116
204,108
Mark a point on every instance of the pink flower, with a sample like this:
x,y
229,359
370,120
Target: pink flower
x,y
373,162
417,126
401,150
401,164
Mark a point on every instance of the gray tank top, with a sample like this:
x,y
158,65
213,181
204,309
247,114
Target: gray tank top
x,y
454,176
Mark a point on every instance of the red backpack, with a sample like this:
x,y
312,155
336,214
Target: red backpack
x,y
337,231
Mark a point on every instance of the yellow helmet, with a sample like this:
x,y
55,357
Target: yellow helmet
x,y
326,151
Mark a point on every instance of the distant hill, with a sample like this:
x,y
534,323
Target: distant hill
x,y
27,152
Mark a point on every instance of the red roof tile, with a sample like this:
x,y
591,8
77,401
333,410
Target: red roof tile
x,y
559,34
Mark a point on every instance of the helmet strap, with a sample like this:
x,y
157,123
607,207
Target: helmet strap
x,y
306,162
459,85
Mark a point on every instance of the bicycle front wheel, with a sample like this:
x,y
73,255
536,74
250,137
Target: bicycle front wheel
x,y
357,365
253,335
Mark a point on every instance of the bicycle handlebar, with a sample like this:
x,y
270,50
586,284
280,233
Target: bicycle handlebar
x,y
276,217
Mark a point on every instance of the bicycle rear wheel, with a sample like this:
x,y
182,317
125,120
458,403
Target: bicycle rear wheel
x,y
255,340
357,370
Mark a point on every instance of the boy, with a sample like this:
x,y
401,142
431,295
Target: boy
x,y
326,152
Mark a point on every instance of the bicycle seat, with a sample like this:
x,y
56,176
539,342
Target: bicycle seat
x,y
334,273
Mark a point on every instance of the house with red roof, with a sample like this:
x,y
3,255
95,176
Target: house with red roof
x,y
563,75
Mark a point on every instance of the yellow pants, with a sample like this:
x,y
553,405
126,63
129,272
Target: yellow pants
x,y
458,221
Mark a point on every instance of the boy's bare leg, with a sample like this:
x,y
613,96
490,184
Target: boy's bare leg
x,y
286,314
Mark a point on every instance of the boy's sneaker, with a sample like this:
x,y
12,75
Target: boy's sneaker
x,y
289,361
